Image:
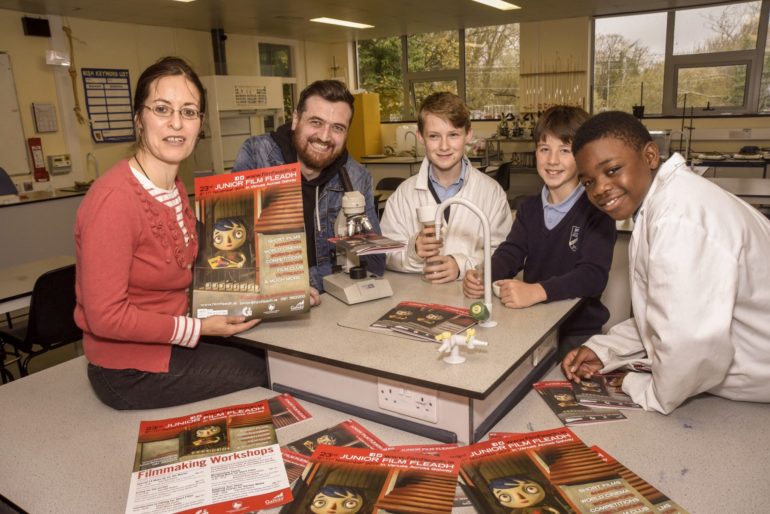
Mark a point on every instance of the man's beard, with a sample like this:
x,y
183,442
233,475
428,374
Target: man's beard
x,y
310,158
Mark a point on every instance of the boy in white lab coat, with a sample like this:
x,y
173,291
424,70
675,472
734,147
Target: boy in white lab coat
x,y
700,275
444,125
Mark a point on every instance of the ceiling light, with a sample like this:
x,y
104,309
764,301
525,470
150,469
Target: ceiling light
x,y
183,1
498,4
351,24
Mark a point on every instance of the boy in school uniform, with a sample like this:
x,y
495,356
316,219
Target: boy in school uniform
x,y
444,127
563,243
700,275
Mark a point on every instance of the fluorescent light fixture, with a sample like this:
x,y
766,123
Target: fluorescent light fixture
x,y
498,4
183,1
343,23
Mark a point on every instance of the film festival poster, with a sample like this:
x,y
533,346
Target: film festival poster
x,y
252,259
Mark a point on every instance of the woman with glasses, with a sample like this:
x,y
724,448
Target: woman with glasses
x,y
136,243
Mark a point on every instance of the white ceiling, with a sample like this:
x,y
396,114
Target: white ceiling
x,y
290,18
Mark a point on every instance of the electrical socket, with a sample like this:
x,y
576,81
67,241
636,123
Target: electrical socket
x,y
409,400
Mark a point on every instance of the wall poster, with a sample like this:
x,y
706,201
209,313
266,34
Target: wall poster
x,y
108,100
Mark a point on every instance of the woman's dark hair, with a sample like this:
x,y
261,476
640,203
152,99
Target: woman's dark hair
x,y
560,121
329,90
167,67
615,124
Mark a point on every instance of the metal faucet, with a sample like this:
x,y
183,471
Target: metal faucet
x,y
414,150
487,248
91,157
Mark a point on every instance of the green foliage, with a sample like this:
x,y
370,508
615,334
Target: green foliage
x,y
379,68
492,66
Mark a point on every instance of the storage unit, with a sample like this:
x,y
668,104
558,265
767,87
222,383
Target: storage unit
x,y
238,108
364,137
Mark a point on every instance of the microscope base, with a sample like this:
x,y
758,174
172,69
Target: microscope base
x,y
352,291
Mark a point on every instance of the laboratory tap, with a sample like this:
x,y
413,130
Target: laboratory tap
x,y
487,248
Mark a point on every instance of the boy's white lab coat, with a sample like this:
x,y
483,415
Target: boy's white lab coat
x,y
463,237
700,289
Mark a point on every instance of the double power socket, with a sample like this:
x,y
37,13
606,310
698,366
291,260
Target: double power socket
x,y
409,400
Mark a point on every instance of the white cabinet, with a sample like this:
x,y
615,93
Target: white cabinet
x,y
237,108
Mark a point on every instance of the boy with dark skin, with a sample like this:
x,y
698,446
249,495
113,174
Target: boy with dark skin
x,y
699,275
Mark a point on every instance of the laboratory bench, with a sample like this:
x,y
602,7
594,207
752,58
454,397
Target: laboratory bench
x,y
331,357
40,225
708,455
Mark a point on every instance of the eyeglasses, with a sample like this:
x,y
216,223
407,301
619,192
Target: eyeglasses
x,y
165,111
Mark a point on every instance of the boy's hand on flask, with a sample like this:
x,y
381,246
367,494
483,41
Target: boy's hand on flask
x,y
581,363
441,269
426,245
516,294
473,287
226,326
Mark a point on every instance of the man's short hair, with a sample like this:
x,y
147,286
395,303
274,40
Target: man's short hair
x,y
329,90
445,105
615,124
560,121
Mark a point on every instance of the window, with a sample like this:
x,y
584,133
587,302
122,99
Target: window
x,y
480,65
492,69
628,62
701,60
379,70
275,60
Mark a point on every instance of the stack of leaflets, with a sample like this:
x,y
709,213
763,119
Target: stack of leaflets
x,y
286,411
604,391
349,434
209,461
560,397
367,244
424,321
354,480
552,471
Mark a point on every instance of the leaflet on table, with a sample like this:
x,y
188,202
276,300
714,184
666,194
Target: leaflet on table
x,y
286,411
551,471
209,461
561,399
662,503
604,391
364,481
460,499
350,433
424,321
367,244
252,257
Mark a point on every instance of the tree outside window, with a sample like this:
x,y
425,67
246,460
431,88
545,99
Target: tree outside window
x,y
712,59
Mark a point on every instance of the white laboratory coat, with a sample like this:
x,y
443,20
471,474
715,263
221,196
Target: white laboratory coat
x,y
700,290
463,238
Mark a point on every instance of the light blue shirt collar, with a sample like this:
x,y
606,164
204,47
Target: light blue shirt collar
x,y
453,188
554,213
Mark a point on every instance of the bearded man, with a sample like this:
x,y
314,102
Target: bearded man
x,y
316,137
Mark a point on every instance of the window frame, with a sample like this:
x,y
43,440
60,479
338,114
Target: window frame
x,y
753,59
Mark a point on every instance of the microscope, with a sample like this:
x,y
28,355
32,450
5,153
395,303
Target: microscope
x,y
350,282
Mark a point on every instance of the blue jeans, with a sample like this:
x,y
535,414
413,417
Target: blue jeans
x,y
210,369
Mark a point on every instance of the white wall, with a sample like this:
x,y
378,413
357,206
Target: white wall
x,y
100,44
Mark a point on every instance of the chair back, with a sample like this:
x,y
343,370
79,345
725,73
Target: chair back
x,y
7,186
51,311
503,175
389,183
